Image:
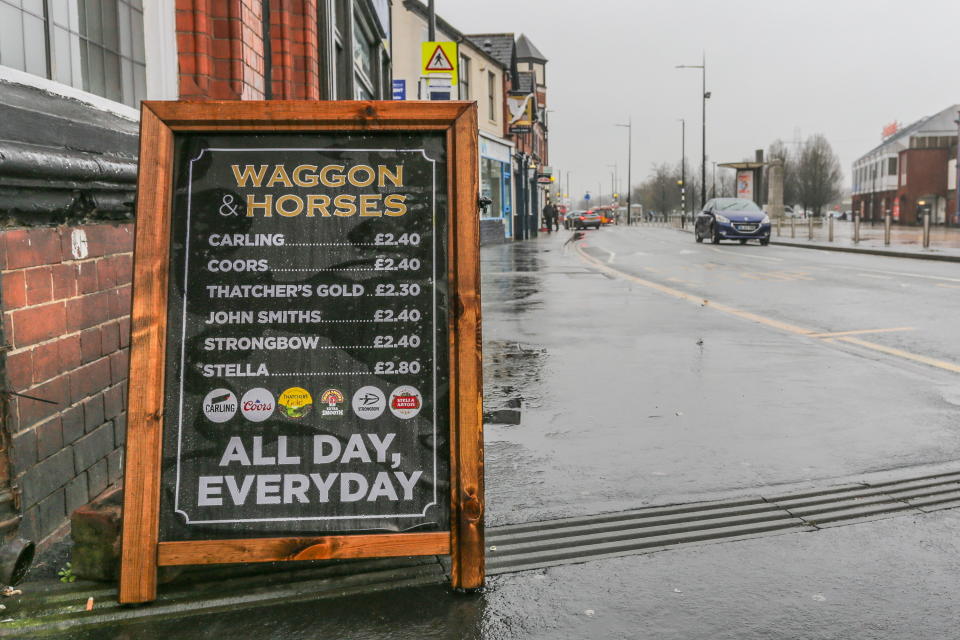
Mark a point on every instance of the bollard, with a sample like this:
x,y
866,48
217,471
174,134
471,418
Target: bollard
x,y
810,228
926,231
886,230
830,229
856,229
793,227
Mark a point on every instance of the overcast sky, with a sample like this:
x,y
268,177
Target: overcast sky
x,y
844,68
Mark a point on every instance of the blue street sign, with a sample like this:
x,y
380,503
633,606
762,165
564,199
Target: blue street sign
x,y
586,196
399,89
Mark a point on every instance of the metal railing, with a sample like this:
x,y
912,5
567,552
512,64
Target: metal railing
x,y
827,229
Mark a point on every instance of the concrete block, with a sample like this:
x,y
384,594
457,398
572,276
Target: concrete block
x,y
93,446
97,479
76,492
46,477
52,511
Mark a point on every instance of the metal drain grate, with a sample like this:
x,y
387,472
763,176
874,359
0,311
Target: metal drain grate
x,y
571,540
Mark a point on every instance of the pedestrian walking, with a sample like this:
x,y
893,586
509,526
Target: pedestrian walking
x,y
549,216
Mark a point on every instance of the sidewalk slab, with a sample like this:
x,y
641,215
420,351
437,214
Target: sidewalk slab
x,y
893,251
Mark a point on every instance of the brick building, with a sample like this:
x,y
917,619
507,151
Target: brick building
x,y
69,85
524,82
481,78
911,171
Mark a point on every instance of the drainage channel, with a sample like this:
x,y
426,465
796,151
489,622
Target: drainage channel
x,y
536,545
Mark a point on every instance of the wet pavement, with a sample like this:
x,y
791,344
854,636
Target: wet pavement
x,y
638,368
893,578
635,396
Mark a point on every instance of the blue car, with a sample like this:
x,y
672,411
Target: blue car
x,y
732,219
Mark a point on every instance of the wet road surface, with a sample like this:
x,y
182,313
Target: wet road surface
x,y
656,370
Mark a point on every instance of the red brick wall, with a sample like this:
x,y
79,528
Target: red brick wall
x,y
296,49
220,49
66,325
926,175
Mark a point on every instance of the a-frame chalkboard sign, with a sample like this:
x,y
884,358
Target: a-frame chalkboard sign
x,y
305,365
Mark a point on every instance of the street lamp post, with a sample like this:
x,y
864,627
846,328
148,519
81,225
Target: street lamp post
x,y
706,96
629,127
683,172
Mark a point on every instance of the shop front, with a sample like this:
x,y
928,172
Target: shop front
x,y
496,185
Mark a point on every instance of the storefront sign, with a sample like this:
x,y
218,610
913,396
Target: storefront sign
x,y
304,370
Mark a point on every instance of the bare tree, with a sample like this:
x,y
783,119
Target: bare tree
x,y
779,151
818,174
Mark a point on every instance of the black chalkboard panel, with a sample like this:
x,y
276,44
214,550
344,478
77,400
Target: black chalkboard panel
x,y
306,387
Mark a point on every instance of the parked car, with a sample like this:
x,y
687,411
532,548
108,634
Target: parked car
x,y
732,219
583,220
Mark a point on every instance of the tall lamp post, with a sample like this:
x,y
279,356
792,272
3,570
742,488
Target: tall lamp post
x,y
683,172
629,127
706,96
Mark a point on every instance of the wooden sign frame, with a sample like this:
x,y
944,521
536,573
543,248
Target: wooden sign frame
x,y
142,551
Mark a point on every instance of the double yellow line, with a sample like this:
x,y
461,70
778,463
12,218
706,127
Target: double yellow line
x,y
842,336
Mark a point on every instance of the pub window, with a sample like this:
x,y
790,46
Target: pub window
x,y
363,61
891,166
492,95
94,45
464,78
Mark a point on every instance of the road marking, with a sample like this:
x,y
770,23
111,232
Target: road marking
x,y
909,275
770,322
859,331
746,255
870,275
948,286
900,353
682,295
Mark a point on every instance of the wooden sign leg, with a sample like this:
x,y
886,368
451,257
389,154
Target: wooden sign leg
x,y
141,493
468,568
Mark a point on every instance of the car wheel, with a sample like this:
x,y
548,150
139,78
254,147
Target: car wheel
x,y
715,238
764,242
697,236
743,242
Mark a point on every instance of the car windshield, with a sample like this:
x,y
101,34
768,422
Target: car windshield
x,y
736,204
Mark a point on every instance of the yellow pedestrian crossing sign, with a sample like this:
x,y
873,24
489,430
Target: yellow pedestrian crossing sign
x,y
439,57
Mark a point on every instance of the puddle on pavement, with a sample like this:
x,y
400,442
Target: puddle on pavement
x,y
512,373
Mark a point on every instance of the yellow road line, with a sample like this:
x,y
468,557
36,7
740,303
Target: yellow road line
x,y
948,286
770,322
859,331
900,353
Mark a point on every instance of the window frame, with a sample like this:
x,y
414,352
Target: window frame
x,y
116,94
492,96
463,73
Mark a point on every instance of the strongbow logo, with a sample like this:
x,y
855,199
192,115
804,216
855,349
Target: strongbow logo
x,y
220,405
257,405
405,402
369,403
295,403
332,401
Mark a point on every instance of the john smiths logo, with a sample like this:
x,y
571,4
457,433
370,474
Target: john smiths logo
x,y
332,404
220,405
295,402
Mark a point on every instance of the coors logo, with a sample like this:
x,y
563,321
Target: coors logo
x,y
257,405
